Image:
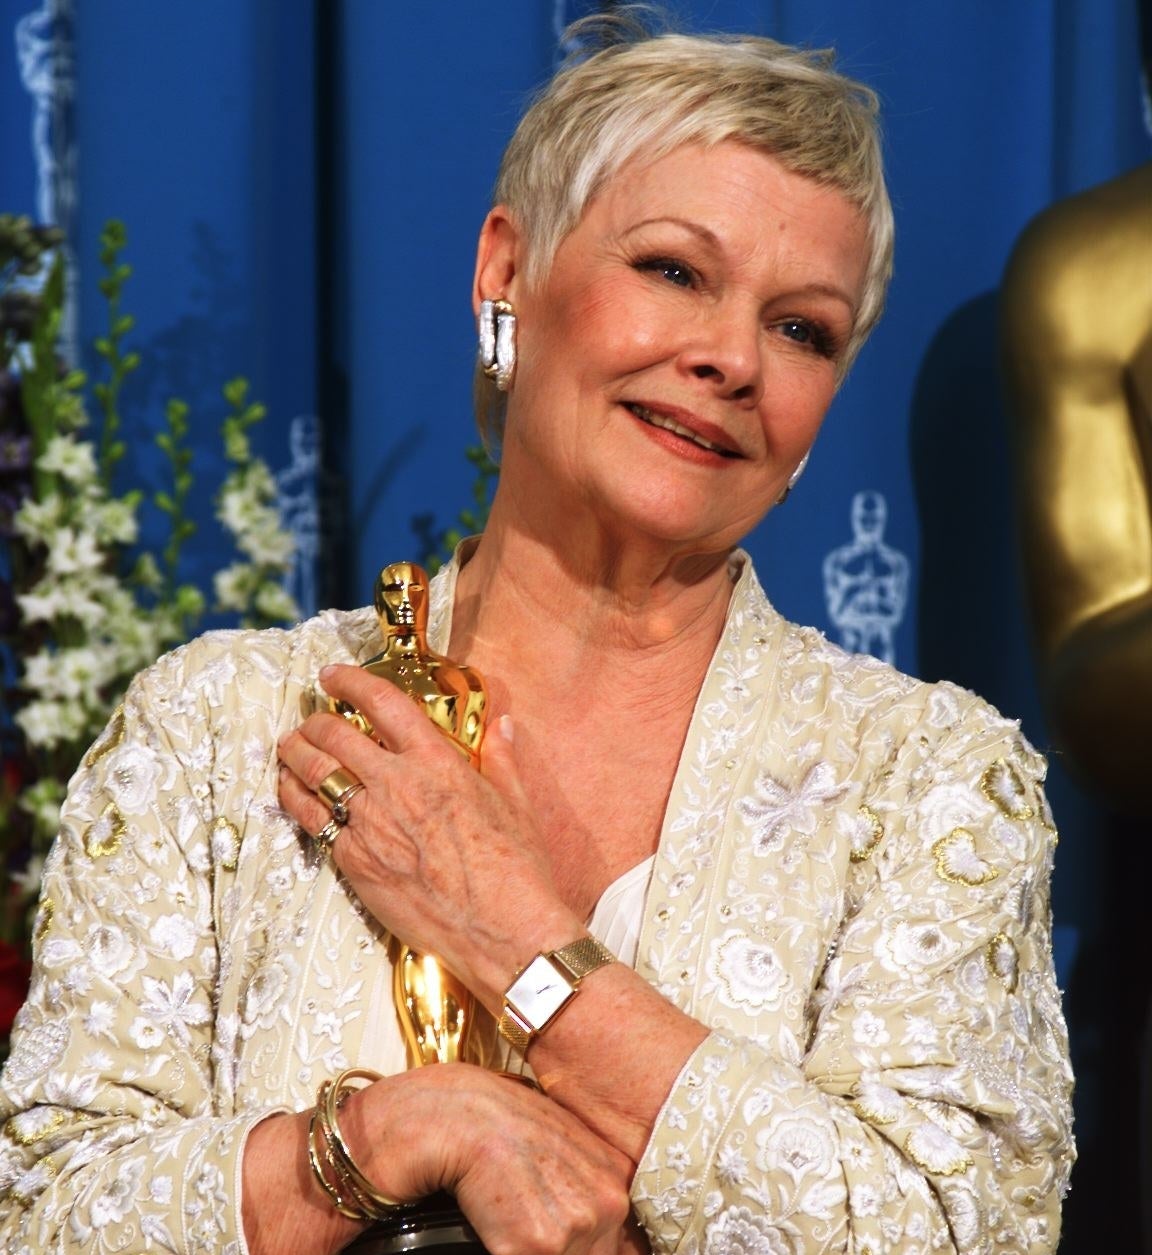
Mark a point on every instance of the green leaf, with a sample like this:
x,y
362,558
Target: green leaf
x,y
130,363
235,392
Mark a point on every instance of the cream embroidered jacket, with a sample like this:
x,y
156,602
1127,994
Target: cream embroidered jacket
x,y
851,890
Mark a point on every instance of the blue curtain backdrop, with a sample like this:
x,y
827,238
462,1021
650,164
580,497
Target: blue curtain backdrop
x,y
302,181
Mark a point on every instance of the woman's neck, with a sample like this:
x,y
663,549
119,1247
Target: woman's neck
x,y
586,606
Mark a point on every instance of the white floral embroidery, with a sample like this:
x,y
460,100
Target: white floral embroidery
x,y
876,1024
741,1231
749,973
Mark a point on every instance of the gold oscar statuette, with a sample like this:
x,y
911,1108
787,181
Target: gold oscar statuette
x,y
435,1010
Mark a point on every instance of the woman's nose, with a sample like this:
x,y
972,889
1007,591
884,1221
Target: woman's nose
x,y
728,352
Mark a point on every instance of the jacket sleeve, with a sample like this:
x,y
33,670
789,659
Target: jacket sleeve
x,y
929,1109
118,1135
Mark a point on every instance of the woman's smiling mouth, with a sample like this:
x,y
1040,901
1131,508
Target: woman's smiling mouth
x,y
655,419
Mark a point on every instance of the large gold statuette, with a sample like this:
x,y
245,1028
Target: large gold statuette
x,y
435,1010
451,695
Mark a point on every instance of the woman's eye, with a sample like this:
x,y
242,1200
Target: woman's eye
x,y
800,331
674,271
809,334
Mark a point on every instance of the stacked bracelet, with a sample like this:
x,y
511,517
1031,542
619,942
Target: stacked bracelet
x,y
352,1194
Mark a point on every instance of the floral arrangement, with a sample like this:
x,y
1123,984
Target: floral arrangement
x,y
83,606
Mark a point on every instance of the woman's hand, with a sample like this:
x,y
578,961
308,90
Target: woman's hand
x,y
529,1176
447,858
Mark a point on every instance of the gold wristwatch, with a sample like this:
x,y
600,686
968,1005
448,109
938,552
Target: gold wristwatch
x,y
543,988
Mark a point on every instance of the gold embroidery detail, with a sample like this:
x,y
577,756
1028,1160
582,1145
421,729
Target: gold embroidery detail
x,y
877,1103
48,1167
958,863
869,817
1003,961
103,836
872,1114
930,1148
226,842
36,1134
1001,785
44,919
109,741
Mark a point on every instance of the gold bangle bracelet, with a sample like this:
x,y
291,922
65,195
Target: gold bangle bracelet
x,y
314,1153
352,1194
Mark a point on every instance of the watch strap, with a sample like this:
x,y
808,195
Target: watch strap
x,y
581,958
574,961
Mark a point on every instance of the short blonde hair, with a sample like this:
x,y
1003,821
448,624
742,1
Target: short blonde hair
x,y
641,95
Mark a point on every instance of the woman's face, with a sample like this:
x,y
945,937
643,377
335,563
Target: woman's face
x,y
676,362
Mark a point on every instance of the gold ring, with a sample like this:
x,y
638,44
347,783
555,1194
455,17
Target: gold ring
x,y
336,790
328,834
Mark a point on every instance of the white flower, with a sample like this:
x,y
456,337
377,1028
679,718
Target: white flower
x,y
233,586
99,1018
274,601
42,607
731,1167
115,522
742,1231
869,1029
797,1146
71,459
67,673
134,775
749,973
916,947
266,992
864,1199
50,723
775,809
37,520
268,544
240,509
111,951
173,1006
145,1034
175,935
70,551
934,1150
118,1196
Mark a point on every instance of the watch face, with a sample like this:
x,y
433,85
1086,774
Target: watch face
x,y
539,992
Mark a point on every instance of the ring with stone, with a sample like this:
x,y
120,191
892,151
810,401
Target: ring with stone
x,y
328,834
336,790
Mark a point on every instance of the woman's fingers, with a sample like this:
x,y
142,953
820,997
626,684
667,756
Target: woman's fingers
x,y
398,722
531,1178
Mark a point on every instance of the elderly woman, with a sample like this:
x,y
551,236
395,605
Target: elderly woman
x,y
820,1014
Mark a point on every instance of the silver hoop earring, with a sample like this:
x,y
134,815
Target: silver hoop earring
x,y
794,478
497,326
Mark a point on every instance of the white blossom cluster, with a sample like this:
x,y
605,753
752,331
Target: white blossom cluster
x,y
97,636
101,628
254,587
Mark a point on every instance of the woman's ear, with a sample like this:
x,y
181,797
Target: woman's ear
x,y
499,256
